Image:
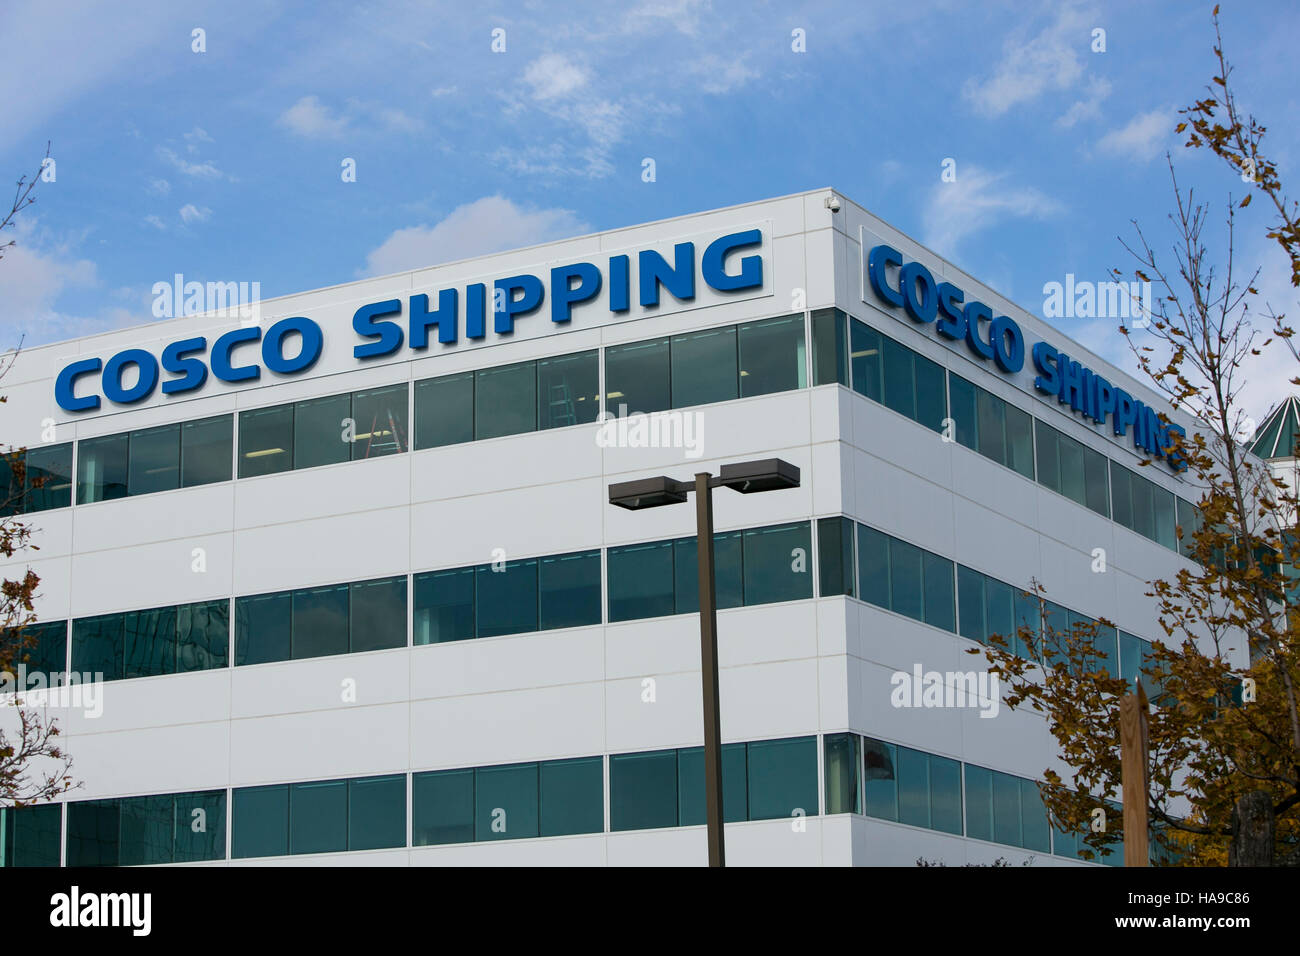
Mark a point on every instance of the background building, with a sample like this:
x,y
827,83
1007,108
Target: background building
x,y
379,610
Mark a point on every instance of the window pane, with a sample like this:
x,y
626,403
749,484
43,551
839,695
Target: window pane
x,y
772,356
992,426
1006,809
641,581
873,566
704,367
572,796
900,378
945,795
905,595
318,817
865,353
200,832
1029,616
1072,478
48,477
728,572
205,450
263,625
841,761
42,646
782,778
1020,441
505,400
643,790
260,821
970,604
320,621
202,636
1035,832
155,460
97,645
320,431
913,787
637,377
830,351
979,803
1049,466
505,802
692,794
31,836
568,389
880,793
147,830
834,557
94,833
266,441
380,414
101,469
444,410
378,610
931,400
1094,477
442,807
377,812
939,603
1144,516
1121,496
1000,606
570,590
777,563
507,598
965,416
1163,508
1189,521
150,642
444,606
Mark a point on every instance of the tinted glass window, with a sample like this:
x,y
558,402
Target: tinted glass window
x,y
200,826
782,778
31,836
263,628
777,563
320,431
318,817
320,621
48,477
150,642
444,410
147,830
155,455
704,367
444,606
900,378
505,802
970,604
728,571
570,590
378,612
572,796
568,390
873,566
205,450
835,556
692,799
841,762
865,353
505,400
507,598
905,579
94,833
101,469
260,821
641,581
880,790
202,636
830,348
442,807
939,605
266,441
97,645
380,416
772,356
377,812
637,376
643,790
945,795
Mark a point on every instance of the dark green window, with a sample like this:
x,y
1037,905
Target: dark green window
x,y
505,400
46,479
988,606
157,641
1072,469
1143,506
154,460
263,628
569,587
149,830
572,796
728,571
101,469
377,812
320,622
568,390
638,377
378,614
380,416
913,787
772,356
442,807
505,802
202,636
321,433
266,441
892,374
444,606
692,804
41,646
905,579
865,366
703,367
873,566
206,447
843,789
778,563
1189,522
782,778
835,557
1006,809
880,784
506,598
318,817
830,348
643,790
641,581
991,426
31,836
260,821
444,410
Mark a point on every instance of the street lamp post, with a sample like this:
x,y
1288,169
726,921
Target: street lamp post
x,y
770,474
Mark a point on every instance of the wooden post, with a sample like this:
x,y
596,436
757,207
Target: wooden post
x,y
1133,776
709,670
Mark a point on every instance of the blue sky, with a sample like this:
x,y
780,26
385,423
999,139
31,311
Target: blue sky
x,y
225,165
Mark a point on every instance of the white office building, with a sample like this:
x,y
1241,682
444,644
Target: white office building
x,y
347,565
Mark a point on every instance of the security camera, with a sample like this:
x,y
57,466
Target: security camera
x,y
832,202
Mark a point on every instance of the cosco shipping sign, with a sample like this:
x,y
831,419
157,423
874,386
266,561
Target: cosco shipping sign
x,y
728,264
910,288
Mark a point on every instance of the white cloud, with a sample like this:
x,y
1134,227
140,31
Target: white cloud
x,y
196,136
976,200
311,118
442,91
716,74
1088,108
1144,137
487,225
1031,66
157,223
191,213
553,76
183,165
159,187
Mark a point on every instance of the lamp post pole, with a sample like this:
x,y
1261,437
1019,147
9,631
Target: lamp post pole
x,y
709,668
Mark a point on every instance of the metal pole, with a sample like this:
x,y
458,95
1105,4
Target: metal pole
x,y
709,668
